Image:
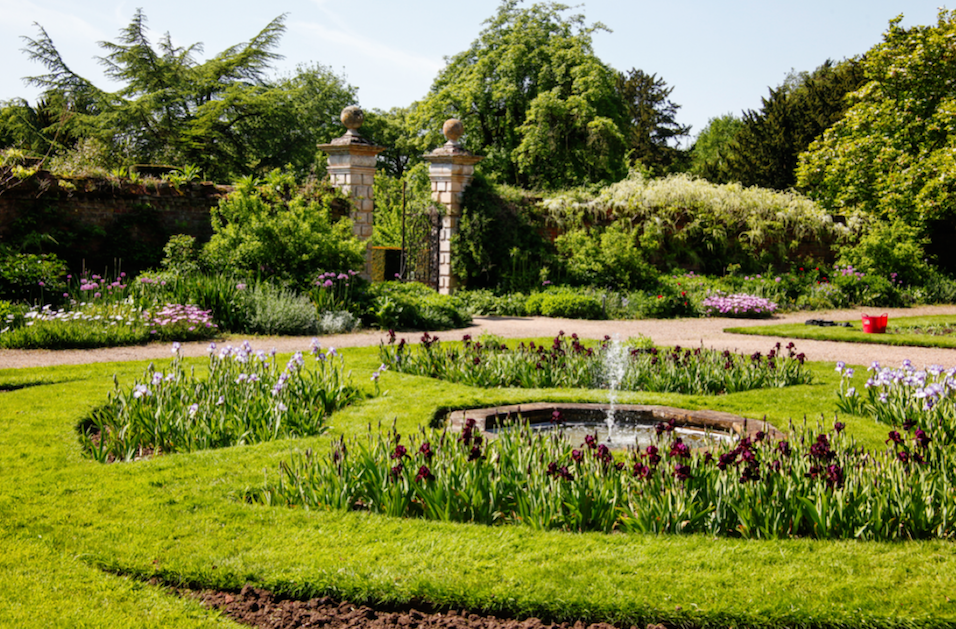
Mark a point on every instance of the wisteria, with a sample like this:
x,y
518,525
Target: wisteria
x,y
925,398
738,305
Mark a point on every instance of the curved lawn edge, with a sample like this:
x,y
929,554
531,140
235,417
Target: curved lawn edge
x,y
856,333
178,519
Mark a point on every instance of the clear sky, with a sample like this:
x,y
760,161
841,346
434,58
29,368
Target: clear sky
x,y
719,56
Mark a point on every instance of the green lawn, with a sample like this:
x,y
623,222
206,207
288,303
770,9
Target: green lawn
x,y
79,541
856,333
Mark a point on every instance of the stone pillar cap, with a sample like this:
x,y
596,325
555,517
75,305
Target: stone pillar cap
x,y
352,117
452,150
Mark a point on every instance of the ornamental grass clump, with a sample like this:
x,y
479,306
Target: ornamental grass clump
x,y
738,305
904,397
569,363
246,397
817,483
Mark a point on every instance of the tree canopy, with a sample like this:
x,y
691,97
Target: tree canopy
x,y
765,148
652,127
223,115
892,154
535,100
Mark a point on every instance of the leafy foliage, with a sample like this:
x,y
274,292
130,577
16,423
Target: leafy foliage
x,y
565,303
765,149
222,115
892,153
681,221
604,256
534,98
411,305
499,242
26,275
652,126
712,146
276,229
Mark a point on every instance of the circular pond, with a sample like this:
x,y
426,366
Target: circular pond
x,y
633,425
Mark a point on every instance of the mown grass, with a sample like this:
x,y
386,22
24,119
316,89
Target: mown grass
x,y
69,525
856,333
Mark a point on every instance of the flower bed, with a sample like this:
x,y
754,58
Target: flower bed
x,y
245,398
569,363
816,484
738,305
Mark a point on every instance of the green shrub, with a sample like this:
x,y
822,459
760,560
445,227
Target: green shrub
x,y
412,305
865,289
276,311
181,255
891,250
564,302
486,302
681,221
571,306
499,242
28,277
338,322
276,230
604,257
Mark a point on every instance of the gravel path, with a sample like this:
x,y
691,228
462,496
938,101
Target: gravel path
x,y
708,332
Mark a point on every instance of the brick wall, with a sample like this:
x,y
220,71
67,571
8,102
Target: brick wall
x,y
107,220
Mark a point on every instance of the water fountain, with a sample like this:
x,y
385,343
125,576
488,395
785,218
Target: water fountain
x,y
634,424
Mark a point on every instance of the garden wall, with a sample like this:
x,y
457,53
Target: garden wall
x,y
102,222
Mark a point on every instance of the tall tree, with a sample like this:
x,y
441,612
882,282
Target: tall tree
x,y
765,149
534,98
892,154
713,143
223,115
652,129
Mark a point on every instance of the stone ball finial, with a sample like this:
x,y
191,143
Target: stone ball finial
x,y
352,117
453,130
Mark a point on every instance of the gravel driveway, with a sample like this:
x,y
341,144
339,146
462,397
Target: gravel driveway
x,y
708,332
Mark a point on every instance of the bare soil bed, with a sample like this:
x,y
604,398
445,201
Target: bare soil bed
x,y
260,608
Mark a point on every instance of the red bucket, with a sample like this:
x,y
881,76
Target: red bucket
x,y
874,325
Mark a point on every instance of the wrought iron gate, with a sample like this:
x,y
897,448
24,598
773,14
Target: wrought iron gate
x,y
420,238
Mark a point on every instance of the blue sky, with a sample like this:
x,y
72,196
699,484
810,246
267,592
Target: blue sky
x,y
720,57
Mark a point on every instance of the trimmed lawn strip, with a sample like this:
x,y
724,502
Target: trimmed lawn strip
x,y
178,518
856,333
